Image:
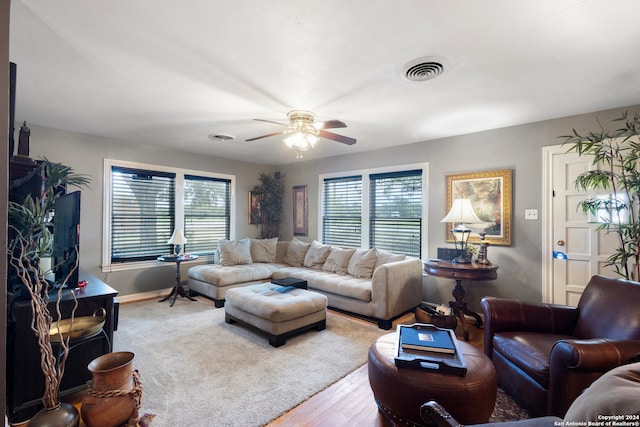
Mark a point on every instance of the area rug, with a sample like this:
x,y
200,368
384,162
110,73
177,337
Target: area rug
x,y
506,409
198,370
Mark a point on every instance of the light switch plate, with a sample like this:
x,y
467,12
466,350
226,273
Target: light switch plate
x,y
531,214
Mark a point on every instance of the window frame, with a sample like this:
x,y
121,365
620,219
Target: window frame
x,y
107,266
366,202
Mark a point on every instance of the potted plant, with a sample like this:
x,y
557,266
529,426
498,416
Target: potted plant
x,y
271,189
616,156
30,230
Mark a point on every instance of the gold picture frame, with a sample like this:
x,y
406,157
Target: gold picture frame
x,y
255,199
491,198
300,213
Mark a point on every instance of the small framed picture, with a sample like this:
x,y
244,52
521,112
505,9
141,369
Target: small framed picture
x,y
255,199
300,214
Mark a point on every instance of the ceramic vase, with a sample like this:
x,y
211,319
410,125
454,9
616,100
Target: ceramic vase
x,y
109,401
62,415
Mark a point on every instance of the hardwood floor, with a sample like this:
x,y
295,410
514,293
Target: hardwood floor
x,y
349,402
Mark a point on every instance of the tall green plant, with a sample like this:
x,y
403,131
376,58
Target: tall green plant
x,y
616,157
272,190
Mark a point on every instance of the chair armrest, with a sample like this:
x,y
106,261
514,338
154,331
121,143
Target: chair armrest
x,y
502,314
576,363
597,354
433,414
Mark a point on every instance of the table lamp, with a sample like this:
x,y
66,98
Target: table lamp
x,y
177,240
461,213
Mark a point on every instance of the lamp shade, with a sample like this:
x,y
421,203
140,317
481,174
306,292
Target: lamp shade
x,y
177,238
462,213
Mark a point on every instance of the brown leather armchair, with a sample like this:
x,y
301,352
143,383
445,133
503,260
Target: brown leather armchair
x,y
545,355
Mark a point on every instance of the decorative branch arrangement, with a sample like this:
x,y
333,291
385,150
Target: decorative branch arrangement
x,y
32,277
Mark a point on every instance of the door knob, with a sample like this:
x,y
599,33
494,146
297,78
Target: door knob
x,y
560,242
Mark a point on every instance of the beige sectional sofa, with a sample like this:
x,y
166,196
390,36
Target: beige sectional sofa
x,y
372,283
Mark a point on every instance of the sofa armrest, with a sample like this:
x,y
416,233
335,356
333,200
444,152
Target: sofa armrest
x,y
396,287
502,314
576,363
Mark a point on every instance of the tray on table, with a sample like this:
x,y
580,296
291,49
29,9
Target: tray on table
x,y
421,359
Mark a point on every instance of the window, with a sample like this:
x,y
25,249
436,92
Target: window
x,y
395,214
142,213
342,211
206,212
145,203
383,208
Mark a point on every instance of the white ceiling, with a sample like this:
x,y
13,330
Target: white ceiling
x,y
171,73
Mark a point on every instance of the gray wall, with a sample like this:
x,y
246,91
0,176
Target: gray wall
x,y
518,148
86,154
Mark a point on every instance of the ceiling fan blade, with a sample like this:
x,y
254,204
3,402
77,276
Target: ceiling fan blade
x,y
335,137
330,124
265,136
270,121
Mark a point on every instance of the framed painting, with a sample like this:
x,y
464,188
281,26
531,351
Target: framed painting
x,y
490,195
255,199
300,214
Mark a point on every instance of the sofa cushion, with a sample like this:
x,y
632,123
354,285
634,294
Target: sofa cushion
x,y
264,250
235,252
296,252
613,394
220,276
316,255
330,283
362,263
385,257
338,260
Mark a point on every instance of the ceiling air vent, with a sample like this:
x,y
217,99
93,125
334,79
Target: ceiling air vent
x,y
423,69
221,137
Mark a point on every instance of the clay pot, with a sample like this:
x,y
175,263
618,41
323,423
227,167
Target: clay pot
x,y
110,400
62,415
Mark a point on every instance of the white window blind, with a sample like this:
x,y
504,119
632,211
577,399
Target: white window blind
x,y
207,214
142,213
342,211
395,210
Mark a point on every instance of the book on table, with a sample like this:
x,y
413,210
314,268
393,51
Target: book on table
x,y
433,340
450,362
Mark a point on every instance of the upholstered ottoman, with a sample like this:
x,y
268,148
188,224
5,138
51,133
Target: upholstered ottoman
x,y
399,392
279,311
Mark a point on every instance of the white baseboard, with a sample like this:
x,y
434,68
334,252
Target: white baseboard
x,y
158,293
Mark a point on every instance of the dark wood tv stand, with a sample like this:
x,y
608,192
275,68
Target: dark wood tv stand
x,y
25,382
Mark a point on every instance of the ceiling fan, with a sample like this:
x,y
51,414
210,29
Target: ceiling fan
x,y
303,132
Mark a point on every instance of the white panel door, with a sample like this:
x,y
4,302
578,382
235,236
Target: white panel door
x,y
573,232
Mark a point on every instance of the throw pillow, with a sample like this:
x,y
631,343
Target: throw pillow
x,y
296,252
316,255
614,393
338,260
264,250
385,257
235,252
362,263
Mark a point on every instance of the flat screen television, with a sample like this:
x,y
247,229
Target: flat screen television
x,y
66,239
